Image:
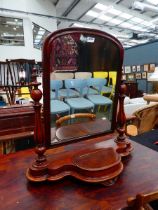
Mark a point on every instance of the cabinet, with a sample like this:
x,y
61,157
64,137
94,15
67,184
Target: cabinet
x,y
132,89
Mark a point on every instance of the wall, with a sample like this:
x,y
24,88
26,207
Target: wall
x,y
36,6
140,55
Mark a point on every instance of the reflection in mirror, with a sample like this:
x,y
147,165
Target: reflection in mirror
x,y
11,31
85,70
39,34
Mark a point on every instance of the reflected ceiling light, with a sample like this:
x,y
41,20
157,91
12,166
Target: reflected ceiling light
x,y
38,37
77,25
144,7
41,32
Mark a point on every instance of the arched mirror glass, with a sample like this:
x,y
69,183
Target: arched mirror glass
x,y
81,73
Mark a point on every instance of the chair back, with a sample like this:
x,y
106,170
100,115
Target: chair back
x,y
83,75
55,85
100,74
3,73
14,68
113,76
78,84
96,82
60,121
62,75
148,113
142,201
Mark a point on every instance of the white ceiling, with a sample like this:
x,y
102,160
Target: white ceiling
x,y
117,17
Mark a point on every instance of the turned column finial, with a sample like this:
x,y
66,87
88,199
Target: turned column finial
x,y
124,147
38,169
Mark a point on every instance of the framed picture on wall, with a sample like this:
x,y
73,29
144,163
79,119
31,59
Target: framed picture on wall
x,y
134,69
151,68
138,75
130,77
146,67
123,70
149,75
127,69
124,77
138,68
144,75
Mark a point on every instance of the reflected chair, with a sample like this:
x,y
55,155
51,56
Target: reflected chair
x,y
112,79
142,201
88,90
57,106
62,75
103,75
100,74
83,75
98,100
77,103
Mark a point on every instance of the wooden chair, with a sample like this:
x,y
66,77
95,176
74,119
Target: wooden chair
x,y
15,79
144,119
61,120
142,202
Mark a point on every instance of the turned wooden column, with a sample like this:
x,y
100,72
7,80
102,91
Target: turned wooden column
x,y
124,147
38,170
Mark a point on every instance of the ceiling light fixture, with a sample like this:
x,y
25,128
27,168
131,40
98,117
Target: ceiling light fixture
x,y
144,7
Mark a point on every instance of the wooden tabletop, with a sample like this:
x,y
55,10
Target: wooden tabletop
x,y
140,175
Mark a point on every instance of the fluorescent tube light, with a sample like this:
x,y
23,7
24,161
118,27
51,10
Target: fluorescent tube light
x,y
137,20
100,7
105,17
92,13
114,11
125,15
115,21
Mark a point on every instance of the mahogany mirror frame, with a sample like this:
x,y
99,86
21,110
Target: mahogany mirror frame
x,y
46,64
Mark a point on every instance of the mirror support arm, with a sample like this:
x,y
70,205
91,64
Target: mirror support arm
x,y
38,170
124,146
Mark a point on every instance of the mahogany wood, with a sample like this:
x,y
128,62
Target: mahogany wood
x,y
139,175
40,165
124,147
16,122
141,201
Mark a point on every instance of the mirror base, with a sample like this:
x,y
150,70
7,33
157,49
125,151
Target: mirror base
x,y
92,164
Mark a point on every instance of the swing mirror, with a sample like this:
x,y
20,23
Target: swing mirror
x,y
81,73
